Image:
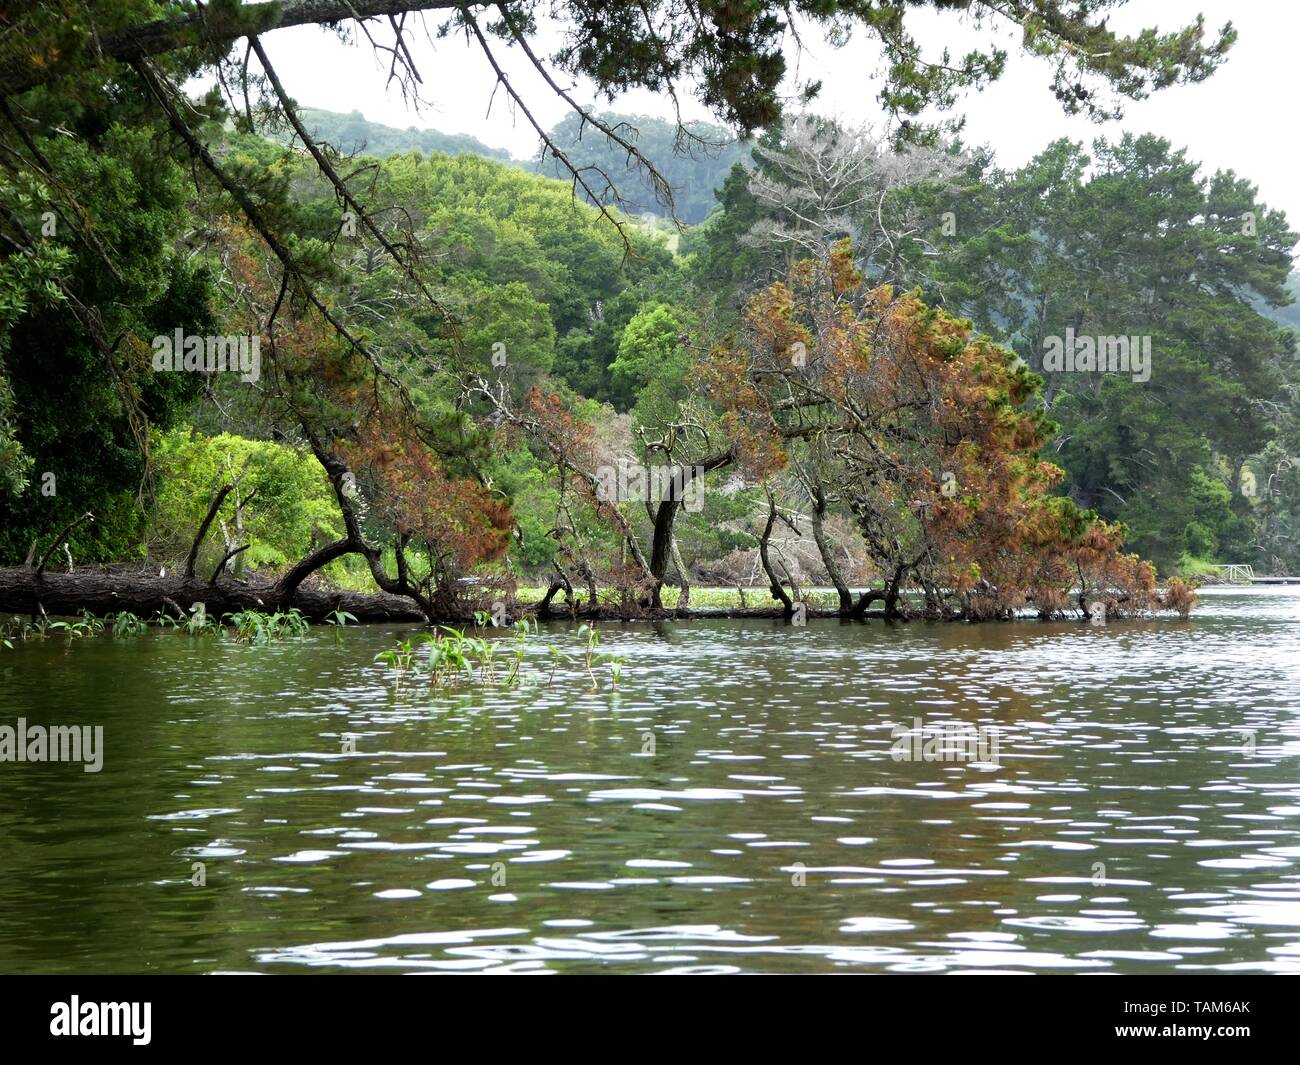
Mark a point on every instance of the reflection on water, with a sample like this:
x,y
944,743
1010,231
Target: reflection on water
x,y
733,807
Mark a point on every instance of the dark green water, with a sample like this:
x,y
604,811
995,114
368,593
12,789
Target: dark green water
x,y
1126,827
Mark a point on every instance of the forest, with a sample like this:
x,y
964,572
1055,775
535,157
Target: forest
x,y
822,353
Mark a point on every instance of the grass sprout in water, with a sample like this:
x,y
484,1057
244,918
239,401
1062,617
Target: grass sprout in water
x,y
456,657
256,627
592,658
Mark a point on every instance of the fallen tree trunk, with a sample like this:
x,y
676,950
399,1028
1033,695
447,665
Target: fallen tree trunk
x,y
24,591
147,595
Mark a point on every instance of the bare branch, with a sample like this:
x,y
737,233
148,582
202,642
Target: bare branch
x,y
58,540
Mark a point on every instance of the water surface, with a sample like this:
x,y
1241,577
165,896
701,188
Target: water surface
x,y
733,807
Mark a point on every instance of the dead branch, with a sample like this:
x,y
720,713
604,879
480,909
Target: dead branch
x,y
63,535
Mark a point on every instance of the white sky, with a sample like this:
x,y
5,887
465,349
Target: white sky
x,y
1234,120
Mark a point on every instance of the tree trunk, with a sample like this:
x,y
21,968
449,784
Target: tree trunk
x,y
828,552
684,582
662,548
22,591
778,592
559,583
891,593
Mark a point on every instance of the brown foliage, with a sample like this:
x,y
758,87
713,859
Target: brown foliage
x,y
923,430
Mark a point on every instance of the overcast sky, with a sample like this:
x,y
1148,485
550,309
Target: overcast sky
x,y
1235,120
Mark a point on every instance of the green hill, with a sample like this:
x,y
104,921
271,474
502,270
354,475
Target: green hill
x,y
693,173
353,133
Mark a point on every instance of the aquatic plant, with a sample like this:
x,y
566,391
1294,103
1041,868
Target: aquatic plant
x,y
15,628
591,658
126,624
89,625
257,627
86,625
400,659
456,656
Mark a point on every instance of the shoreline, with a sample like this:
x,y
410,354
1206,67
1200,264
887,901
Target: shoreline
x,y
103,591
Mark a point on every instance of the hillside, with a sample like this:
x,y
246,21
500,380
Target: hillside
x,y
693,172
353,134
693,169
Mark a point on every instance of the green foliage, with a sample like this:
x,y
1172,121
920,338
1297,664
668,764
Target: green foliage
x,y
43,628
65,408
198,622
723,265
507,321
1286,315
694,167
593,659
535,500
15,628
534,275
294,506
125,624
650,346
257,627
449,657
586,353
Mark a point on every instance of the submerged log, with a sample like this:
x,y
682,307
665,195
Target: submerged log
x,y
25,591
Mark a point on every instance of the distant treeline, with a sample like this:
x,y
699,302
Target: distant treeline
x,y
694,164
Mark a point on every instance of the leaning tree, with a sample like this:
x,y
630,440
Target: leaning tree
x,y
934,448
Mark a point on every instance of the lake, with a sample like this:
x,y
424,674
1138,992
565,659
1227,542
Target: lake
x,y
740,803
